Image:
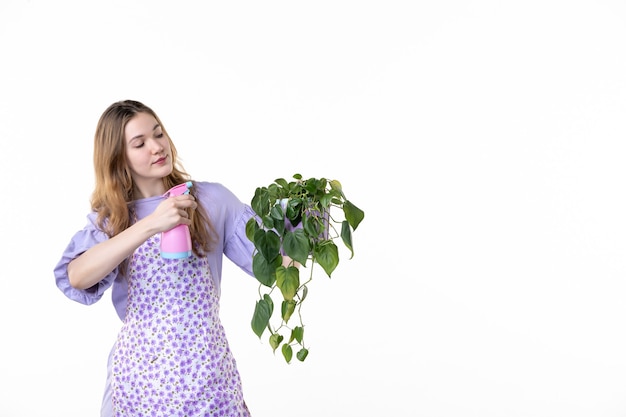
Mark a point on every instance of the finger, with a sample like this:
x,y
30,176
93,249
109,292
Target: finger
x,y
186,199
190,203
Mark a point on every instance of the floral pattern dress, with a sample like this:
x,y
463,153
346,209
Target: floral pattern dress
x,y
172,357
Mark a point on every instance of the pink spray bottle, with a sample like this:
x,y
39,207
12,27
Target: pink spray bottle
x,y
176,242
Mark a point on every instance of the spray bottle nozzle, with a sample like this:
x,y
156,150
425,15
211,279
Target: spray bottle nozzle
x,y
178,189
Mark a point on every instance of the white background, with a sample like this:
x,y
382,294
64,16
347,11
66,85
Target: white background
x,y
485,141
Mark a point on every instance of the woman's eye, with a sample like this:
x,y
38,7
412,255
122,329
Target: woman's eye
x,y
159,135
139,145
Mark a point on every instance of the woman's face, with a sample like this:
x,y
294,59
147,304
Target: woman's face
x,y
148,154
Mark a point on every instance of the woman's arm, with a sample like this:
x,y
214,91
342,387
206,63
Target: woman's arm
x,y
98,261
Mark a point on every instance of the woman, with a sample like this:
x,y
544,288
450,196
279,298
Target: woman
x,y
171,357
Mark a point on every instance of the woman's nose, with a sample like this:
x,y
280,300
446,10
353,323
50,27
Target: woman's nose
x,y
156,146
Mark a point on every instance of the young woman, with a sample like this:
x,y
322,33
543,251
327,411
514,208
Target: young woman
x,y
171,357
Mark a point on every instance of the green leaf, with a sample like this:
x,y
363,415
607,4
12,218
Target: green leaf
x,y
293,212
297,334
313,225
326,200
278,217
288,280
274,192
261,317
275,340
270,303
335,185
282,182
297,246
314,185
302,354
346,236
287,353
268,222
265,272
353,214
327,255
251,227
267,243
260,202
287,309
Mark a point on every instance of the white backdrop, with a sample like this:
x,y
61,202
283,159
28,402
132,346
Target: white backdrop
x,y
484,140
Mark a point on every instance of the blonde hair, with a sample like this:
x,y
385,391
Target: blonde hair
x,y
114,183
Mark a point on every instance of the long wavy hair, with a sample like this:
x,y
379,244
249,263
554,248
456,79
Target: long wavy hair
x,y
114,183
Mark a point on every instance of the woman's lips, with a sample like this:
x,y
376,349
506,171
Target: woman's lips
x,y
160,161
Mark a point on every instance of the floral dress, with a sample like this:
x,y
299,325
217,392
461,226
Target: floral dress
x,y
172,357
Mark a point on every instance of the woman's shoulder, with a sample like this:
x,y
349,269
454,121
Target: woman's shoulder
x,y
207,185
214,189
216,194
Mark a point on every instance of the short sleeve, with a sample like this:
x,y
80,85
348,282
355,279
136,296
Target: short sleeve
x,y
82,240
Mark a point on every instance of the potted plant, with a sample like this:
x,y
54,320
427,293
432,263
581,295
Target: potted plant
x,y
295,229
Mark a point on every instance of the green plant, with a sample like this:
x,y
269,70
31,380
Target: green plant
x,y
294,228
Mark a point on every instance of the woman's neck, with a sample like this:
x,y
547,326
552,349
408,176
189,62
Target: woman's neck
x,y
148,190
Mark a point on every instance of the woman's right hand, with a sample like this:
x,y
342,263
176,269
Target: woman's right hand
x,y
173,211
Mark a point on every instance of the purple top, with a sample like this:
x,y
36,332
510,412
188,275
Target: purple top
x,y
227,213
